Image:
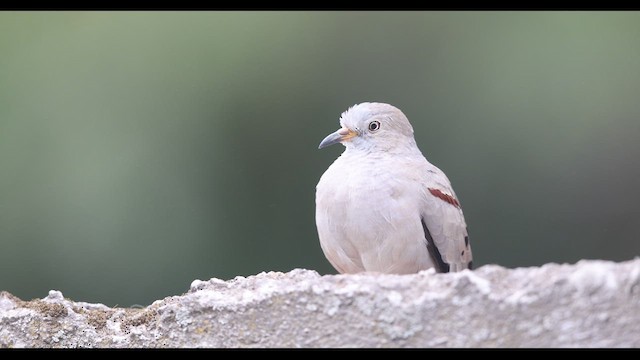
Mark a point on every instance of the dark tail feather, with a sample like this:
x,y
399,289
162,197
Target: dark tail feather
x,y
441,266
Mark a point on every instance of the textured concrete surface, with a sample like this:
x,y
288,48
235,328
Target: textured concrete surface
x,y
589,304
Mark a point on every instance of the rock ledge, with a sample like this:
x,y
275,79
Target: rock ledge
x,y
589,304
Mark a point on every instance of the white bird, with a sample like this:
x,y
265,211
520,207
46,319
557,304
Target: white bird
x,y
381,206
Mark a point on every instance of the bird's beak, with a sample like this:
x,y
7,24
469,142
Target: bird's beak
x,y
341,135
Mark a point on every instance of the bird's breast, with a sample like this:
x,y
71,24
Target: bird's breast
x,y
368,218
352,184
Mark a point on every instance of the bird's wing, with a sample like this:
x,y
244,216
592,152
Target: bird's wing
x,y
444,225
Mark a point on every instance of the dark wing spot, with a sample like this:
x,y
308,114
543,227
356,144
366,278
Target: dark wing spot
x,y
462,253
445,197
466,243
440,265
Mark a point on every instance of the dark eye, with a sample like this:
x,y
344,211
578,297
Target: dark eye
x,y
374,125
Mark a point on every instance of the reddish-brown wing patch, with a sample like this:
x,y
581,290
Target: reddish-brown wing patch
x,y
446,197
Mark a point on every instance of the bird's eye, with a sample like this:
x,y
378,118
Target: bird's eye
x,y
374,125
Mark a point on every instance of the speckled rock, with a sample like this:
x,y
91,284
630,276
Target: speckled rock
x,y
589,304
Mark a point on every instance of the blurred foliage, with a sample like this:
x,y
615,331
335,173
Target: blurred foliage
x,y
142,150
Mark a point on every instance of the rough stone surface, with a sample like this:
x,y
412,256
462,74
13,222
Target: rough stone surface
x,y
589,304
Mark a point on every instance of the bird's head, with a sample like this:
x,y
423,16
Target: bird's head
x,y
372,127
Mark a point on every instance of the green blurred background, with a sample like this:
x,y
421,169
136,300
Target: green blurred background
x,y
142,150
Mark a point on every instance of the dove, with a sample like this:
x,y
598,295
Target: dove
x,y
381,206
